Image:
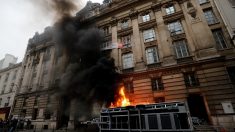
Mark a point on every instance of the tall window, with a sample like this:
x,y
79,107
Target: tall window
x,y
191,80
106,30
202,1
170,9
127,60
157,84
124,24
126,40
0,102
7,76
106,45
231,73
146,17
14,76
129,87
3,89
175,28
210,17
181,49
8,101
152,55
219,38
149,35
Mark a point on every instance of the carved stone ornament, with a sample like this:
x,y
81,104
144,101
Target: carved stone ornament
x,y
191,10
133,14
113,21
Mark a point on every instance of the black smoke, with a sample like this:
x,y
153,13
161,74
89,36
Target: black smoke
x,y
89,77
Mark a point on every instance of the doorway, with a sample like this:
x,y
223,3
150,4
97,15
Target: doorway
x,y
197,107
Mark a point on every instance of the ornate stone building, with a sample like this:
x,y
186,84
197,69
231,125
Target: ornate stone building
x,y
36,99
9,85
172,50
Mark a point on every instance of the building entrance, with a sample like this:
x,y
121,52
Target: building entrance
x,y
197,109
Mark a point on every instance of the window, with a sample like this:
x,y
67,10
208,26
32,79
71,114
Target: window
x,y
146,17
14,76
126,40
129,87
36,101
8,101
175,28
25,102
7,76
231,73
149,35
203,1
124,24
152,55
232,2
0,102
170,9
191,80
3,89
157,84
210,17
106,30
127,60
106,45
219,38
35,114
181,49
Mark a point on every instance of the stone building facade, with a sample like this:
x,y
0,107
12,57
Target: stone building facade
x,y
36,100
9,81
227,9
172,50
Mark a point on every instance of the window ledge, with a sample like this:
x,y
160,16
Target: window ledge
x,y
214,23
204,3
154,65
184,59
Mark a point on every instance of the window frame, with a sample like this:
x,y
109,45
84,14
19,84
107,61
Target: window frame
x,y
219,37
127,60
191,79
210,16
170,9
124,24
201,2
157,84
149,35
155,55
175,27
181,44
146,17
126,41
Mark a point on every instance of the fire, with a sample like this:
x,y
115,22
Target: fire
x,y
122,100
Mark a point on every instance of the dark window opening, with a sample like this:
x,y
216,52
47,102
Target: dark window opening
x,y
35,114
191,80
129,87
231,73
157,84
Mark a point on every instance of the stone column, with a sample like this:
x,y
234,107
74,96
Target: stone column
x,y
71,125
164,41
199,30
137,45
115,52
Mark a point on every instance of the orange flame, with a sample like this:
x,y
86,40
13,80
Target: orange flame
x,y
122,101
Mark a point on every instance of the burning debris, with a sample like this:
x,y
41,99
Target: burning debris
x,y
121,100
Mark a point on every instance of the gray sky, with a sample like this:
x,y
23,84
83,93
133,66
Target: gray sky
x,y
20,19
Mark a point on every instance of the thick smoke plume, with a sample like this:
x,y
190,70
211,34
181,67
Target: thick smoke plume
x,y
89,77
